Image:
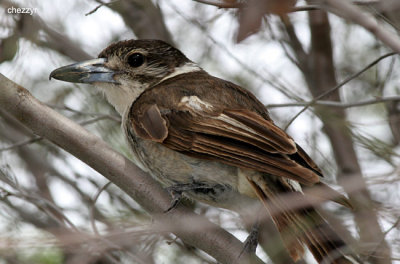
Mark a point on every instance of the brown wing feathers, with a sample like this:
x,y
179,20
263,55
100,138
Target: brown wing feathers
x,y
215,127
244,155
193,121
220,143
281,142
150,124
304,224
237,131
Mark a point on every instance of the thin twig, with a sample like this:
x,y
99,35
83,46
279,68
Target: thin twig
x,y
37,138
271,79
94,120
338,104
380,14
42,204
397,223
293,9
345,81
100,5
300,53
67,108
109,243
22,143
305,8
387,76
92,221
240,5
346,10
221,4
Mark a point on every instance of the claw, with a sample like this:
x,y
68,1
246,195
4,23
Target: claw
x,y
176,191
176,198
251,242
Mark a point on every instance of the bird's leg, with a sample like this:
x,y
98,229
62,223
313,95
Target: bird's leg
x,y
176,191
251,242
176,194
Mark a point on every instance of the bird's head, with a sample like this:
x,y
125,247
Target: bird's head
x,y
125,69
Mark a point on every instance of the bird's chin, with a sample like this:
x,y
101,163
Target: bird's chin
x,y
121,94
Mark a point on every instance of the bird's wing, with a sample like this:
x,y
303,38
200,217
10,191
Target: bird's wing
x,y
238,137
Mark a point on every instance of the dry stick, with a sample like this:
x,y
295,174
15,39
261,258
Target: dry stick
x,y
240,5
339,104
271,79
21,143
293,9
43,204
70,109
108,242
100,5
38,138
92,207
344,9
221,4
40,202
192,228
397,223
345,81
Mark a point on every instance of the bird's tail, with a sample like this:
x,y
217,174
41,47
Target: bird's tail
x,y
301,226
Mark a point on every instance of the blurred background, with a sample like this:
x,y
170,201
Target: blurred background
x,y
55,209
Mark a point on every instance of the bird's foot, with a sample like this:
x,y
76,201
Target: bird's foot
x,y
176,198
251,242
176,191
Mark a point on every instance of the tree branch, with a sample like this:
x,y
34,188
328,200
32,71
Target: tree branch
x,y
334,89
191,228
336,104
144,18
320,80
294,9
349,11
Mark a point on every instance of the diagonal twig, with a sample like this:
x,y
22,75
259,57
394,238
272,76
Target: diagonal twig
x,y
345,81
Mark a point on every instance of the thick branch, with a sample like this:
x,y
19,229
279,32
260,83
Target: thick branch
x,y
388,99
353,13
320,79
45,122
144,18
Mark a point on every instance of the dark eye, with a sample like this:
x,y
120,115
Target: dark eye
x,y
135,59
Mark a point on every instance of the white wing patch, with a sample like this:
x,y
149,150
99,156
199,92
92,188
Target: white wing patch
x,y
351,259
235,123
295,185
195,103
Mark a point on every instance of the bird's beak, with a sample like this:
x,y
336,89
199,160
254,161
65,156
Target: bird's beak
x,y
89,71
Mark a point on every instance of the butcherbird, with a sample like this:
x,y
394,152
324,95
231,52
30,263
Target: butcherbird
x,y
210,139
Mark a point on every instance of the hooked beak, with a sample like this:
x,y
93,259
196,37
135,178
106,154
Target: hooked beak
x,y
89,71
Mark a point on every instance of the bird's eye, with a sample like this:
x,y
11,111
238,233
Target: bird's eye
x,y
136,60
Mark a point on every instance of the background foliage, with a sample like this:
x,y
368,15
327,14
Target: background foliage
x,y
316,56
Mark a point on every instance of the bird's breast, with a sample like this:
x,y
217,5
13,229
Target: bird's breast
x,y
218,182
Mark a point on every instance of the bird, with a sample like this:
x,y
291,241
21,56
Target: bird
x,y
211,140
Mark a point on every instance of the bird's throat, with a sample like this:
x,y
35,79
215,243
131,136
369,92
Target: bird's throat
x,y
121,96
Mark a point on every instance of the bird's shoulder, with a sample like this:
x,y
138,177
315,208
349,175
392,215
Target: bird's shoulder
x,y
199,89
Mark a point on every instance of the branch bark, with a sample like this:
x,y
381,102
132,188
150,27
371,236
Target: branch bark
x,y
191,228
349,11
144,18
320,78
